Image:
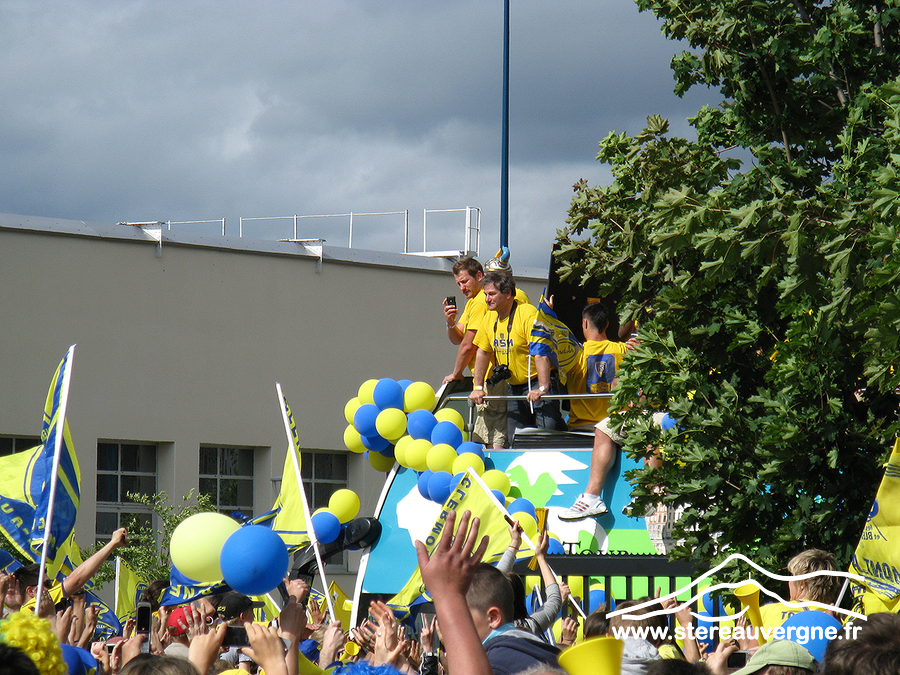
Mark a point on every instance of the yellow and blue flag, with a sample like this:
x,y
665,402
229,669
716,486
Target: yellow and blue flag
x,y
470,495
289,520
25,485
877,556
550,337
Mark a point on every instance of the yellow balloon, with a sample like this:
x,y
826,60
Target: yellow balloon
x,y
391,423
465,435
497,480
379,462
417,454
466,460
418,396
197,543
366,392
353,440
350,409
344,504
450,415
528,523
400,450
441,457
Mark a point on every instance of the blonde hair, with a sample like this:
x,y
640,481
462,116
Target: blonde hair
x,y
817,589
33,636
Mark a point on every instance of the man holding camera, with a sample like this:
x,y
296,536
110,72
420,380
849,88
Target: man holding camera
x,y
503,339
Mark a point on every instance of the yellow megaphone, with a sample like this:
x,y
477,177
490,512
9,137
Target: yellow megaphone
x,y
594,656
748,594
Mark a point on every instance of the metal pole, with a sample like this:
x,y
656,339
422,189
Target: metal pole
x,y
295,226
504,169
223,227
424,230
350,243
406,232
241,226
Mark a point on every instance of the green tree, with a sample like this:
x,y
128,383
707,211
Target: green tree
x,y
766,290
147,552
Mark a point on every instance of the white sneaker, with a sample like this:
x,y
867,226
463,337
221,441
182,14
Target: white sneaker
x,y
586,506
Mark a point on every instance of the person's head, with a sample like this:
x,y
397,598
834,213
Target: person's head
x,y
821,588
490,599
499,291
594,319
236,608
467,273
153,591
146,664
34,636
520,610
875,649
23,585
596,623
780,657
177,624
618,624
13,661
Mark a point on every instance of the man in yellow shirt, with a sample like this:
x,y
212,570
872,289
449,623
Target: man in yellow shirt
x,y
504,338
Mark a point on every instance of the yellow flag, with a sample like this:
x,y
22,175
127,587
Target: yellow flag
x,y
128,589
290,512
342,603
470,495
877,556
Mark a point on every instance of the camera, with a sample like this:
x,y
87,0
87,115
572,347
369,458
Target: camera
x,y
499,373
737,659
450,301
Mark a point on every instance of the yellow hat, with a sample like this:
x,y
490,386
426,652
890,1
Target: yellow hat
x,y
594,656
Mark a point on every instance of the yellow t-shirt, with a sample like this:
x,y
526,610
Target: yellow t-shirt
x,y
593,374
56,594
509,344
473,314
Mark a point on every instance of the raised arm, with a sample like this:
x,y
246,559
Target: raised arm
x,y
83,573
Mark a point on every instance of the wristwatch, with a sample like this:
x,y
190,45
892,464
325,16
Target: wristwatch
x,y
477,387
542,389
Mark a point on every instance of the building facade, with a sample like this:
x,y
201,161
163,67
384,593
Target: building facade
x,y
180,341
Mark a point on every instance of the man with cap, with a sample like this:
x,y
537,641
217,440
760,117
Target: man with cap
x,y
236,609
782,656
177,626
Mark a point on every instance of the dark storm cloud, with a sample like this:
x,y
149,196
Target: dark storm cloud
x,y
197,110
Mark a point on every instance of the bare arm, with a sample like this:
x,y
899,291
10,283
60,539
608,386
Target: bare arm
x,y
447,575
83,573
543,367
463,355
482,361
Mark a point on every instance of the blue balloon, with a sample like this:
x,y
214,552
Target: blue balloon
x,y
440,485
388,394
597,597
471,446
419,424
667,422
500,496
521,504
422,484
254,560
364,419
375,442
712,606
326,526
799,629
388,451
446,432
404,384
489,464
555,547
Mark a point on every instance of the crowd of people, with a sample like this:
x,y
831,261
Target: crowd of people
x,y
482,626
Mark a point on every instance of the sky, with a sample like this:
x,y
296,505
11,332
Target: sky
x,y
198,110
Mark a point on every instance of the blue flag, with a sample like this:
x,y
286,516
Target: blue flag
x,y
25,486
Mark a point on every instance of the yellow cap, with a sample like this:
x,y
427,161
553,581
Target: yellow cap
x,y
594,656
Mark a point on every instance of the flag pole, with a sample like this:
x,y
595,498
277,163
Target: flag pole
x,y
57,446
293,449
